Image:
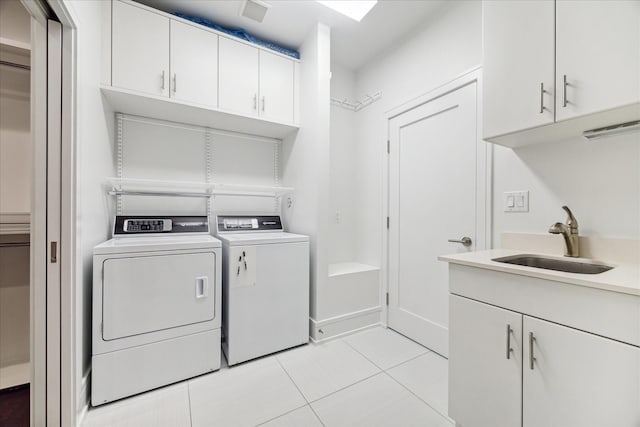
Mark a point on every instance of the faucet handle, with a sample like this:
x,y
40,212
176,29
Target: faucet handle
x,y
571,220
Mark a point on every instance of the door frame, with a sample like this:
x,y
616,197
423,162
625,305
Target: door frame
x,y
484,173
53,404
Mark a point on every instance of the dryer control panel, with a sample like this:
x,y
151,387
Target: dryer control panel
x,y
247,223
154,225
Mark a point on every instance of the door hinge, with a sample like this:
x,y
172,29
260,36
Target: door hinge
x,y
388,146
387,223
54,252
387,298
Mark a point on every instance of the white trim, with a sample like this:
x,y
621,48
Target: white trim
x,y
38,213
344,324
484,174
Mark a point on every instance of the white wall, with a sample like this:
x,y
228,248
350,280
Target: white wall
x,y
447,45
305,160
599,180
342,171
94,156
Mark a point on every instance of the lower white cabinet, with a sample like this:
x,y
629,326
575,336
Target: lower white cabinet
x,y
485,383
552,375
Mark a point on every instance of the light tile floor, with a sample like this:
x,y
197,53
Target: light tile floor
x,y
376,377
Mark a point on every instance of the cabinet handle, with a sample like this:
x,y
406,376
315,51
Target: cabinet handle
x,y
564,90
255,101
509,349
532,359
175,78
162,86
542,92
263,103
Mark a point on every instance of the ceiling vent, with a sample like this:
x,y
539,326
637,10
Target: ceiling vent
x,y
254,9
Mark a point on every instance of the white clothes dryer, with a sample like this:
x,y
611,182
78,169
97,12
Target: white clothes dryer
x,y
156,305
265,286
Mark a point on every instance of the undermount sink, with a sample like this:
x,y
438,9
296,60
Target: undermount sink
x,y
537,261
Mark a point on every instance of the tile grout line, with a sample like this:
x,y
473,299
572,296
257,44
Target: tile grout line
x,y
299,391
282,415
189,397
446,417
347,386
380,367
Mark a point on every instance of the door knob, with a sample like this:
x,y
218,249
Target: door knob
x,y
466,241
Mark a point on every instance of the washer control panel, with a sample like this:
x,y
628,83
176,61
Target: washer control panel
x,y
147,225
246,223
156,225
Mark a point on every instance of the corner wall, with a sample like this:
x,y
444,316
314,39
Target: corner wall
x,y
95,161
305,160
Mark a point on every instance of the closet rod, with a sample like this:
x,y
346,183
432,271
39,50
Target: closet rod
x,y
14,245
15,65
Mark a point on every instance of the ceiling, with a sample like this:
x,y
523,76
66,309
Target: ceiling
x,y
288,22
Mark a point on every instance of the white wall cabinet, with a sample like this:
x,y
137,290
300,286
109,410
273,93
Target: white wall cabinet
x,y
556,375
592,46
194,64
276,87
239,74
256,82
518,62
169,58
140,51
598,52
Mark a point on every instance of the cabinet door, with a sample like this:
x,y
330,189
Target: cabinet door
x,y
578,379
518,65
140,51
598,50
485,386
238,77
194,64
276,87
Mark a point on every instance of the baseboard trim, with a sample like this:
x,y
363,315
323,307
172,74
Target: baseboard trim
x,y
334,327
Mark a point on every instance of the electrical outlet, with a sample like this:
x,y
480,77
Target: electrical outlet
x,y
516,201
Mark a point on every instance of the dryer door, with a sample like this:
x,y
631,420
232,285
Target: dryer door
x,y
145,294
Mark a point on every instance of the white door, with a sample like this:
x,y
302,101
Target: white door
x,y
140,50
578,379
485,364
432,199
598,50
238,77
276,87
518,65
194,64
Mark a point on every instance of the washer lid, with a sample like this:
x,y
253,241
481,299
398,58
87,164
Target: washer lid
x,y
265,238
154,244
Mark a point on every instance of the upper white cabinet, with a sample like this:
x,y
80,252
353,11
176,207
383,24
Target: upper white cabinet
x,y
518,56
194,64
140,51
159,56
597,55
239,74
208,78
546,62
256,82
276,87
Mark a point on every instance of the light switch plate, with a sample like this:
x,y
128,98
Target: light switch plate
x,y
516,201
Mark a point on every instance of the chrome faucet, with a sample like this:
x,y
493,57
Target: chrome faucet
x,y
570,233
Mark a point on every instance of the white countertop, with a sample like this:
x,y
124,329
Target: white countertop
x,y
623,278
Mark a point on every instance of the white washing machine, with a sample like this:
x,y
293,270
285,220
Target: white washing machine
x,y
156,305
265,286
